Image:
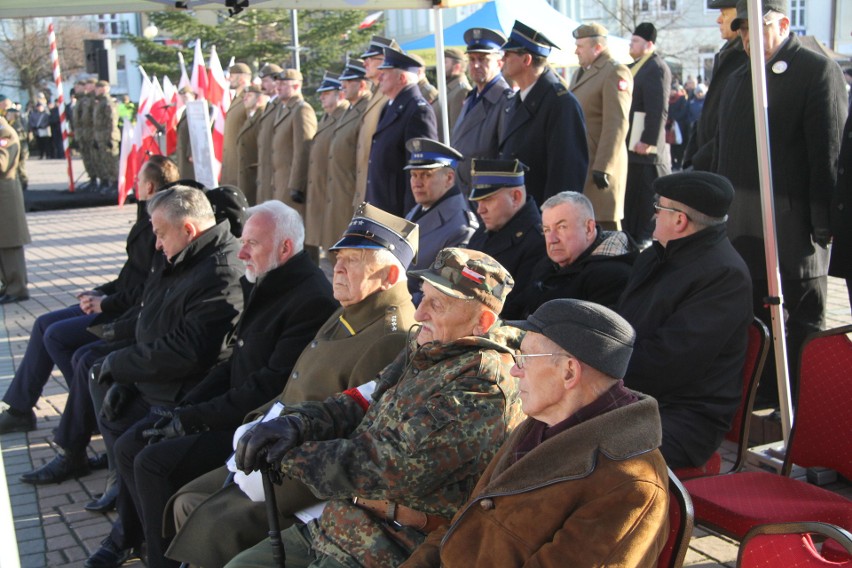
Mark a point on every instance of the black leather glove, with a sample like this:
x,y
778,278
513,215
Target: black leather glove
x,y
168,426
821,236
601,179
298,196
117,398
103,374
267,442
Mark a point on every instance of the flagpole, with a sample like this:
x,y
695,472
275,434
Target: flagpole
x,y
60,99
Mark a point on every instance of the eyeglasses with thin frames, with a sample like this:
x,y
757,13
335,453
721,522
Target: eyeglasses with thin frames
x,y
519,359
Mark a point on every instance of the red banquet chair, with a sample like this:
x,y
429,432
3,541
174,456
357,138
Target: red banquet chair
x,y
734,503
758,348
789,545
680,525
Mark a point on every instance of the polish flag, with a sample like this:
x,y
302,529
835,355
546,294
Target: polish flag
x,y
369,20
171,115
198,82
219,97
128,149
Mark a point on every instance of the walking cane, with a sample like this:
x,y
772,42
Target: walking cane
x,y
272,516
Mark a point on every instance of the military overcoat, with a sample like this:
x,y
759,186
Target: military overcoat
x,y
13,221
234,120
318,192
295,126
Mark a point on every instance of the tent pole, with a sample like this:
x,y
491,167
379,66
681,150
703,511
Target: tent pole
x,y
441,70
761,125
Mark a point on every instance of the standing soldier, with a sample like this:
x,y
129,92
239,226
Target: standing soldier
x,y
240,78
333,105
84,131
604,88
183,153
107,137
294,128
373,58
254,101
342,152
13,117
265,180
457,86
14,233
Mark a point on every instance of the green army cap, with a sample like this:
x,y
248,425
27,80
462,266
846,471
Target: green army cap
x,y
454,53
240,68
469,275
590,30
269,69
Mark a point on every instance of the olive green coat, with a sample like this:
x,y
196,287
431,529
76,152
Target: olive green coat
x,y
317,193
295,126
13,220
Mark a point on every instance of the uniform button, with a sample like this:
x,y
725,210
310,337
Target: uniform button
x,y
240,342
295,375
314,344
486,504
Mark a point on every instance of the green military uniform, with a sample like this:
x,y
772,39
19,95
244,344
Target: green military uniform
x,y
247,156
14,233
84,132
107,138
183,152
318,194
20,126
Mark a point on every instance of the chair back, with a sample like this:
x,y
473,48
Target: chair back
x,y
790,545
820,433
681,519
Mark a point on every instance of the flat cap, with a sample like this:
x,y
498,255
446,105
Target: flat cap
x,y
525,38
647,31
428,154
488,176
719,4
240,68
269,69
373,228
377,46
469,275
354,70
289,75
330,82
484,40
707,193
395,59
595,335
590,30
454,53
779,6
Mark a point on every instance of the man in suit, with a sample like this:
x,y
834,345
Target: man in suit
x,y
457,86
265,178
406,116
294,127
440,210
807,108
239,78
511,224
648,158
254,102
372,57
334,104
475,133
543,126
604,88
699,150
342,153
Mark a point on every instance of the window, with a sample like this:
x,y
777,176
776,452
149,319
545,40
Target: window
x,y
112,25
668,5
797,16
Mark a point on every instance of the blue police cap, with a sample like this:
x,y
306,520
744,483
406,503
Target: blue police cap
x,y
330,82
428,154
488,176
395,59
354,70
525,38
483,40
373,228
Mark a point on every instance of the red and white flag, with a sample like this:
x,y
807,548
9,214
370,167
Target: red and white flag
x,y
60,100
219,97
198,82
171,115
369,20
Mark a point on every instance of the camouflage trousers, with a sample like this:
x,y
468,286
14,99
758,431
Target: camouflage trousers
x,y
298,549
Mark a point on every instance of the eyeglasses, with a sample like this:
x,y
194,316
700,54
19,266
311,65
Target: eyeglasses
x,y
519,359
659,207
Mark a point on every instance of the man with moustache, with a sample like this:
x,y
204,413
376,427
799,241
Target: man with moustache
x,y
254,102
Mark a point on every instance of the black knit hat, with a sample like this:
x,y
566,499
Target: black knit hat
x,y
707,193
646,31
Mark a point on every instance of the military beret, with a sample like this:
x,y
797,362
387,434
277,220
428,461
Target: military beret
x,y
595,335
489,176
289,75
525,38
646,31
269,69
779,6
454,53
253,89
469,275
707,193
484,40
395,59
590,30
239,68
428,154
373,228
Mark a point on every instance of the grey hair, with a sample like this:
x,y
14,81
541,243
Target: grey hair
x,y
288,223
182,202
385,258
699,218
576,199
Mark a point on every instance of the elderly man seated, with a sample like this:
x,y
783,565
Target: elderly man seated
x,y
355,343
579,483
396,458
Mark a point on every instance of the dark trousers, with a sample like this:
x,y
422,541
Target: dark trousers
x,y
639,199
54,339
78,420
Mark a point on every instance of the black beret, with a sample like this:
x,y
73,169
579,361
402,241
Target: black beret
x,y
707,193
646,31
229,203
719,4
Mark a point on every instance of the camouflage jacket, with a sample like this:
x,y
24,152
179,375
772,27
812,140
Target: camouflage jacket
x,y
105,121
438,415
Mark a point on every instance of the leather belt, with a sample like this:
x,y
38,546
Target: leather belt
x,y
400,515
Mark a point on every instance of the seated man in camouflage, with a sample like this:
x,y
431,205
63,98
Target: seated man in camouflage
x,y
397,457
353,345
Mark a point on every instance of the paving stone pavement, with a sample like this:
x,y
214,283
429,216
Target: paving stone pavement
x,y
75,250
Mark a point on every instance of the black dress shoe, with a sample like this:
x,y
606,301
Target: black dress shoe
x,y
100,462
7,299
109,555
16,422
58,470
104,503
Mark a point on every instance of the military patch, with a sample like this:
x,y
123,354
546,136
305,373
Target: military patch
x,y
622,84
391,320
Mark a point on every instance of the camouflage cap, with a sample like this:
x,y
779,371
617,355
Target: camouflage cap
x,y
469,275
